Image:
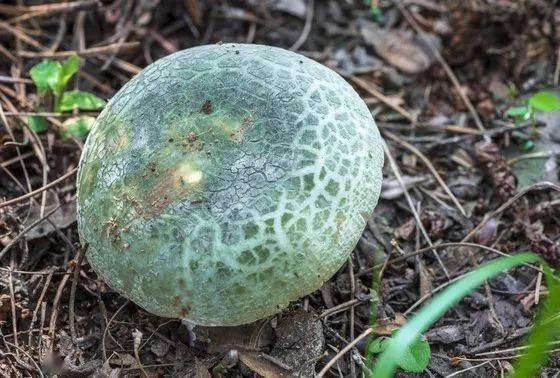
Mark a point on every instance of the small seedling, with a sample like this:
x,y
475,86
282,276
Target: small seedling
x,y
543,101
540,101
545,330
374,9
50,78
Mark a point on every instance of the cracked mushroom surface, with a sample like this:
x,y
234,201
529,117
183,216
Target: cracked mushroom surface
x,y
224,181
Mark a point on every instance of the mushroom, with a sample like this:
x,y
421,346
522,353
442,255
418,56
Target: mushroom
x,y
224,181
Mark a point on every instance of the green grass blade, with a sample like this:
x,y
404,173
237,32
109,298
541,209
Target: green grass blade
x,y
546,329
435,308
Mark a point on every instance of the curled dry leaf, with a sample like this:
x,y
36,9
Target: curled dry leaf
x,y
487,232
434,222
387,325
261,364
405,230
396,48
392,189
253,336
447,334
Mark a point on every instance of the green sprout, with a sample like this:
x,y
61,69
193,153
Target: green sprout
x,y
414,358
50,78
543,101
374,9
540,101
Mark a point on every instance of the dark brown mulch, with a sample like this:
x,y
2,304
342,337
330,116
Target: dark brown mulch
x,y
58,317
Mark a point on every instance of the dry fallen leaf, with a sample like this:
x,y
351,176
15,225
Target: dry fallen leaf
x,y
261,365
386,326
396,48
405,230
254,336
392,189
61,218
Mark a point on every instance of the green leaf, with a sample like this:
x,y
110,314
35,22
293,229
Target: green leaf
x,y
77,126
416,357
376,13
68,69
527,145
45,74
50,74
517,111
411,332
80,100
545,101
378,345
37,123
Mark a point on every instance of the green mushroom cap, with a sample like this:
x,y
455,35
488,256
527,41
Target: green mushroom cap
x,y
224,181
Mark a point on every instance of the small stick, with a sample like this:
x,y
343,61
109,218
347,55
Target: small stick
x,y
36,310
16,159
43,317
430,167
26,230
52,322
40,190
442,61
21,35
105,330
538,287
538,186
384,99
51,9
14,318
437,128
75,278
338,308
441,246
306,28
26,365
343,351
46,9
9,79
467,369
112,48
397,173
4,51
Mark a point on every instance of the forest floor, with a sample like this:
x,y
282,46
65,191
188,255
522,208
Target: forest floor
x,y
439,77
